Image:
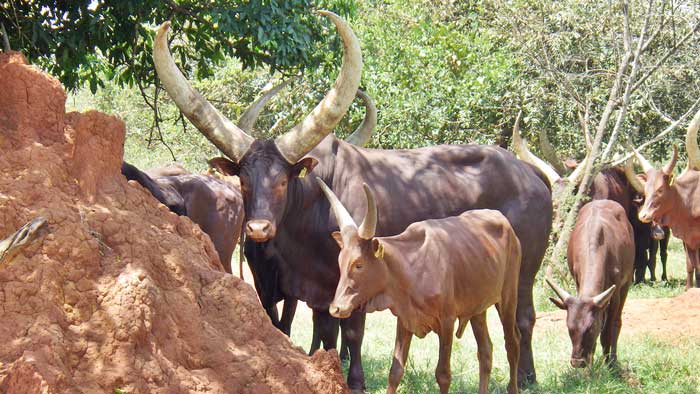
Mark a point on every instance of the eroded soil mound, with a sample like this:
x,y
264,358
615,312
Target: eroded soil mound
x,y
668,319
121,293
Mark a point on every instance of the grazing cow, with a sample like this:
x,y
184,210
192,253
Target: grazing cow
x,y
435,272
286,208
615,184
601,260
675,203
214,205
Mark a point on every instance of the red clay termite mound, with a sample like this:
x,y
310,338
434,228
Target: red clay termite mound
x,y
120,293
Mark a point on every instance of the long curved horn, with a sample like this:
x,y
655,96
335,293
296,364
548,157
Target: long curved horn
x,y
303,137
646,166
369,224
363,133
230,140
563,294
632,176
668,168
691,143
342,215
548,151
577,174
602,298
524,154
250,116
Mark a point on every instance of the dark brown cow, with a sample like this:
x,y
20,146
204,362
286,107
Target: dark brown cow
x,y
676,203
432,274
286,209
601,260
213,204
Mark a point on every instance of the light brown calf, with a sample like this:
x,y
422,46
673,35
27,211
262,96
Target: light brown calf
x,y
430,275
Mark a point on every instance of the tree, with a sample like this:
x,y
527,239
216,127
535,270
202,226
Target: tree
x,y
597,63
80,41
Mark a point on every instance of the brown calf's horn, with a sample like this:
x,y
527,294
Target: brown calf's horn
x,y
250,116
230,140
303,137
632,176
369,224
563,294
602,298
691,143
646,166
363,133
524,154
668,168
342,216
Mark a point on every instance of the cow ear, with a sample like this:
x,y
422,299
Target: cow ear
x,y
559,303
338,238
377,248
224,166
304,166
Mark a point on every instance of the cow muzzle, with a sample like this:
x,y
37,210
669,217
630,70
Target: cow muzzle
x,y
579,362
644,216
657,233
340,311
260,230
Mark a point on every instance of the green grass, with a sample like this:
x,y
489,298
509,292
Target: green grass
x,y
646,365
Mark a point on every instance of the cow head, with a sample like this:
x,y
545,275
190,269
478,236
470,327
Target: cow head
x,y
363,272
265,167
658,189
655,187
584,318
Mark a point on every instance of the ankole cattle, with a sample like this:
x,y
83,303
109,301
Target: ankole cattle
x,y
286,209
214,205
601,261
675,203
615,184
432,274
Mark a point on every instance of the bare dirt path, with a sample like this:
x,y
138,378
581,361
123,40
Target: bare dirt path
x,y
669,319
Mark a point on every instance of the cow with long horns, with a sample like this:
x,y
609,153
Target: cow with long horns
x,y
601,260
286,209
676,203
434,273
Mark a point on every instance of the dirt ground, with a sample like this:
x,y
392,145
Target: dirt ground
x,y
668,319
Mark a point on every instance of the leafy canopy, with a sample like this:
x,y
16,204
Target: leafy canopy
x,y
80,41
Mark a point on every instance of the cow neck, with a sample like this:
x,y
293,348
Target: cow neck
x,y
403,293
591,276
677,217
303,194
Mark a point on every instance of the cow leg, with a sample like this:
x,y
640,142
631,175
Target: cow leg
x,y
327,328
315,338
689,266
290,307
344,349
442,372
398,364
526,323
506,312
653,249
640,263
663,245
484,350
353,330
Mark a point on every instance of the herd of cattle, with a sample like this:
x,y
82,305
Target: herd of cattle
x,y
448,231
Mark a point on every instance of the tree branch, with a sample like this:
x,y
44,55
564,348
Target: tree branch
x,y
5,38
661,61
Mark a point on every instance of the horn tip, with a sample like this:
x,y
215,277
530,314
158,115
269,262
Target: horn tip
x,y
164,27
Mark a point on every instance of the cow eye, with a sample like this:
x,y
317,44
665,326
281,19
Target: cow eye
x,y
358,266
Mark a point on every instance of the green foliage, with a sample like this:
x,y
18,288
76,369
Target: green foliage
x,y
111,40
